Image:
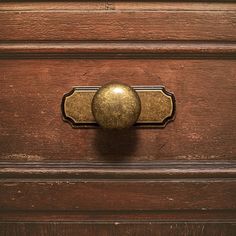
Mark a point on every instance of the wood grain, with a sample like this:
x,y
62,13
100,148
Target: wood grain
x,y
32,128
118,25
174,216
117,195
117,228
174,181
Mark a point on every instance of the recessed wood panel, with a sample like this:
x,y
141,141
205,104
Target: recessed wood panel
x,y
31,122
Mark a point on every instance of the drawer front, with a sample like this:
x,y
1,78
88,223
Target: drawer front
x,y
57,179
33,130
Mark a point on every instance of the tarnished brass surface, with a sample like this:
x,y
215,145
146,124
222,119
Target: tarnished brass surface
x,y
116,106
157,106
77,106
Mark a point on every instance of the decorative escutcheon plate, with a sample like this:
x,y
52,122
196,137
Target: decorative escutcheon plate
x,y
157,106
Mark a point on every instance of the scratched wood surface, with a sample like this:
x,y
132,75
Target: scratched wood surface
x,y
117,195
32,128
118,228
174,181
136,25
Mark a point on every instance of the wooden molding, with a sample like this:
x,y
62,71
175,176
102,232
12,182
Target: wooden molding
x,y
117,49
96,170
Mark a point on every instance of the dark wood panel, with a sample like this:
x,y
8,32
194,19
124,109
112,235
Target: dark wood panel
x,y
117,228
117,25
32,128
117,195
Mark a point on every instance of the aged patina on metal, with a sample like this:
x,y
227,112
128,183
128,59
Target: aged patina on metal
x,y
118,106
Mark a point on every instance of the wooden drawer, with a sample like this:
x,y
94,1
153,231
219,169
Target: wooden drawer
x,y
139,181
33,130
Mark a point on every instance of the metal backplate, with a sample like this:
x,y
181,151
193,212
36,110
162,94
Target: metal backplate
x,y
157,106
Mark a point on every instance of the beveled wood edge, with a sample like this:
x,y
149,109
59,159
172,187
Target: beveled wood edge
x,y
118,49
126,171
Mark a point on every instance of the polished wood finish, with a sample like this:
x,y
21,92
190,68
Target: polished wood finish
x,y
174,181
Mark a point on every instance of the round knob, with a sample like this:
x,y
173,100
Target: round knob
x,y
116,106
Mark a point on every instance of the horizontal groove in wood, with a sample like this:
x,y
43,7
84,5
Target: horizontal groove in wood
x,y
111,56
125,195
117,5
164,170
120,216
119,25
119,48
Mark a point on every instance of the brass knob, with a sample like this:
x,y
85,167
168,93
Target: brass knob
x,y
116,106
